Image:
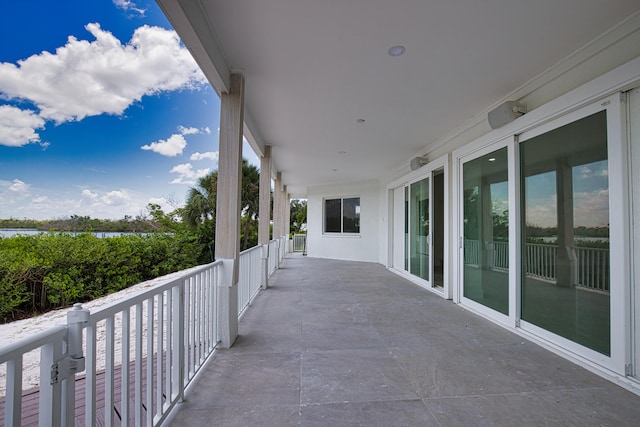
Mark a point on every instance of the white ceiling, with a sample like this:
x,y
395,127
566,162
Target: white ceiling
x,y
313,68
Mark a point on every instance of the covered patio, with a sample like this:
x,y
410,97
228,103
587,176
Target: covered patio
x,y
349,343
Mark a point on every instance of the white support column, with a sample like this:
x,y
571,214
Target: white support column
x,y
264,215
228,206
566,261
288,214
277,207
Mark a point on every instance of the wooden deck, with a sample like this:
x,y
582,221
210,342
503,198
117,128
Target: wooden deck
x,y
30,398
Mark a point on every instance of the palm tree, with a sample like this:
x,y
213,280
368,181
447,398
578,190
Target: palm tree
x,y
201,201
200,207
199,212
250,200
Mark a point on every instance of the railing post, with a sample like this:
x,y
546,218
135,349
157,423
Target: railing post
x,y
264,256
77,318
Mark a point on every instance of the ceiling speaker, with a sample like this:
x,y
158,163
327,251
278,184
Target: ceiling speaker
x,y
418,162
505,113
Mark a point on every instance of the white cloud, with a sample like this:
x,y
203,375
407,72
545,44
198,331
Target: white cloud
x,y
110,198
39,203
210,155
115,197
188,131
129,6
207,130
40,199
89,194
18,127
170,147
19,187
591,209
187,175
85,78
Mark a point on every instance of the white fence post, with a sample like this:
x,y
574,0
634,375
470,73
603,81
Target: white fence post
x,y
77,318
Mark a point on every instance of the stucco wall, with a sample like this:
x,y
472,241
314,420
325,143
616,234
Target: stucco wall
x,y
363,247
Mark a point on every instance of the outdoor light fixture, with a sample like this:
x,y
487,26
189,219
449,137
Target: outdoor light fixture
x,y
418,162
396,50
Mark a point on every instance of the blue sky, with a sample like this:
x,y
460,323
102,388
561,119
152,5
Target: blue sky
x,y
102,110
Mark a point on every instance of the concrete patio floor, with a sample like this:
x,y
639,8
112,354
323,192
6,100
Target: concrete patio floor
x,y
334,343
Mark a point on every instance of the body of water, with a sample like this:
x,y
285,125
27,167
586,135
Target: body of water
x,y
10,232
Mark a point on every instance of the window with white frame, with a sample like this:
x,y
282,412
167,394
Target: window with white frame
x,y
342,215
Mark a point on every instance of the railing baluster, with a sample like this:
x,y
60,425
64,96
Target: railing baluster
x,y
124,367
13,402
170,347
49,413
137,391
90,376
149,359
159,354
109,371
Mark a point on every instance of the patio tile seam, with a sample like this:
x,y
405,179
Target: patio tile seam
x,y
343,402
515,393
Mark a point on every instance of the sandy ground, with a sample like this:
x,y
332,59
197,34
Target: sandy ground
x,y
12,332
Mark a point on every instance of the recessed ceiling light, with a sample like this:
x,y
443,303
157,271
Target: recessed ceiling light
x,y
493,159
396,50
360,121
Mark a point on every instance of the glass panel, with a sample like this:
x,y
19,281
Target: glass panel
x,y
486,232
351,215
438,228
565,262
332,215
419,228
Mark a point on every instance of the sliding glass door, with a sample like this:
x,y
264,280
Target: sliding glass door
x,y
544,231
486,231
419,227
565,233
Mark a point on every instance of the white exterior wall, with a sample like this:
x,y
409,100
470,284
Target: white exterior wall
x,y
363,247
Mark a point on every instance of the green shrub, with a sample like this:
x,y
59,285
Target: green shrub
x,y
52,270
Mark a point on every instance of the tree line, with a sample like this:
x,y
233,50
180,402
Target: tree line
x,y
77,223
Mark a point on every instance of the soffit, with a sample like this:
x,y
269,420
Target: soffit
x,y
313,68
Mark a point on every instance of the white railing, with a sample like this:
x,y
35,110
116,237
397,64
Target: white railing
x,y
500,256
154,343
140,353
593,268
540,261
299,242
249,277
274,253
284,246
472,254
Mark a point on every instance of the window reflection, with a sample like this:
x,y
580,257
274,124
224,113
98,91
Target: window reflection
x,y
565,254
